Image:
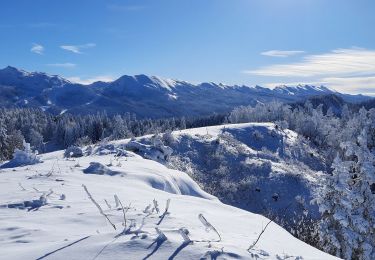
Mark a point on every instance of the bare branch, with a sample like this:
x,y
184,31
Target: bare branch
x,y
261,233
264,229
98,206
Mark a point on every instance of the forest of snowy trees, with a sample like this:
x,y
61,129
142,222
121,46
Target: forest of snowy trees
x,y
46,132
346,199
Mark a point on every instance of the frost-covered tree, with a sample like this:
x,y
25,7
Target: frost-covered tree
x,y
362,220
347,203
3,140
36,140
335,209
14,141
120,128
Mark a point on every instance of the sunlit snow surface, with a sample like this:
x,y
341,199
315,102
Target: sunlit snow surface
x,y
72,227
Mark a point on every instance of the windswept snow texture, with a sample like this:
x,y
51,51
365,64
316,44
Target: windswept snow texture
x,y
145,96
67,225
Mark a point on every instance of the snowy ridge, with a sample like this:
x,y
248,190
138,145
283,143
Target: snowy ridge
x,y
254,166
303,89
145,96
46,214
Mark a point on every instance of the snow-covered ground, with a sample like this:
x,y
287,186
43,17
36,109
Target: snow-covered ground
x,y
67,225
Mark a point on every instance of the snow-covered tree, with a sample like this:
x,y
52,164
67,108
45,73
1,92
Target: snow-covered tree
x,y
3,140
335,209
120,129
15,141
347,203
36,140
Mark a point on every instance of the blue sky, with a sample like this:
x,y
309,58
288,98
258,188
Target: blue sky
x,y
264,42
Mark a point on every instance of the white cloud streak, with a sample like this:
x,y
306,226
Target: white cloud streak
x,y
340,62
37,48
63,65
87,81
351,85
280,54
345,70
363,85
77,48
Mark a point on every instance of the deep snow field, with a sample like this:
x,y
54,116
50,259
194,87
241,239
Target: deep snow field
x,y
66,224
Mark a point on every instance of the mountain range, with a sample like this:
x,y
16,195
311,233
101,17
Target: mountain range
x,y
145,96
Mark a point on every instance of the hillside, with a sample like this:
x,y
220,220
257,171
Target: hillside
x,y
145,96
46,213
255,166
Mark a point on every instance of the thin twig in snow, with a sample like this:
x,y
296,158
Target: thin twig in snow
x,y
98,206
208,226
108,205
124,211
264,229
165,212
19,184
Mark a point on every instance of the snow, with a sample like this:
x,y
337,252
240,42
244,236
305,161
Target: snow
x,y
63,111
55,219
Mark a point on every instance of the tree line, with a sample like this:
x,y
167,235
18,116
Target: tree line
x,y
46,132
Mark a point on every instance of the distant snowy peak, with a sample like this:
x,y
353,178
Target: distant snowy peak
x,y
12,71
147,81
17,77
303,89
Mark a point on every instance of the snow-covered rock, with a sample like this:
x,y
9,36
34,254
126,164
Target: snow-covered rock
x,y
73,152
156,152
100,169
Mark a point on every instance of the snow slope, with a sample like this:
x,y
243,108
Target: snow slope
x,y
67,225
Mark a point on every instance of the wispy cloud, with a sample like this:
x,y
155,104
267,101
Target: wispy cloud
x,y
364,85
63,65
351,85
281,54
347,62
89,80
77,48
121,8
346,70
37,48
